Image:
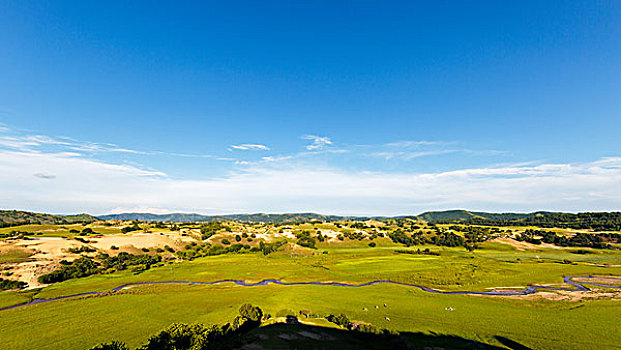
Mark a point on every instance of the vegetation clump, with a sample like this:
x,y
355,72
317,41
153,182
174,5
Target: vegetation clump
x,y
10,284
305,239
131,228
80,267
81,249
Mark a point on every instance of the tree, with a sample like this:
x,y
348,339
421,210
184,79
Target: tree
x,y
253,313
340,320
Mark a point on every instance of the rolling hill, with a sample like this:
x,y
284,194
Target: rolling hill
x,y
18,217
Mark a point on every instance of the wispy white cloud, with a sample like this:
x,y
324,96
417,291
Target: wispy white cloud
x,y
405,155
60,174
43,143
250,147
411,144
318,142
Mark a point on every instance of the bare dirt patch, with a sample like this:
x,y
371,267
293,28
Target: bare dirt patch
x,y
571,296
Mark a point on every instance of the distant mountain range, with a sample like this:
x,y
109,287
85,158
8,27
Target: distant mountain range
x,y
431,216
595,220
260,217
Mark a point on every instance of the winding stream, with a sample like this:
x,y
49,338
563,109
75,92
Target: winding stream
x,y
578,287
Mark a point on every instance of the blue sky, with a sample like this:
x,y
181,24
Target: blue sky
x,y
353,107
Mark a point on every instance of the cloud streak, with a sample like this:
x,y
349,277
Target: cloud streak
x,y
250,147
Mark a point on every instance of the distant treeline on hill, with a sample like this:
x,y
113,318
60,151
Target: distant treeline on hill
x,y
599,221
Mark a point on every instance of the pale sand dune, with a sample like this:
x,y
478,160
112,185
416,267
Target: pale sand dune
x,y
49,251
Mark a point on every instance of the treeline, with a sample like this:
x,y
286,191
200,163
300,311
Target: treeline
x,y
181,336
194,250
343,321
598,221
426,251
86,266
440,238
599,241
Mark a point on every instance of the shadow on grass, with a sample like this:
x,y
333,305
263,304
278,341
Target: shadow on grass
x,y
300,336
511,344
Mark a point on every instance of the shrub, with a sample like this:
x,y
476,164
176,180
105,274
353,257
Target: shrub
x,y
82,249
134,227
372,244
114,345
225,241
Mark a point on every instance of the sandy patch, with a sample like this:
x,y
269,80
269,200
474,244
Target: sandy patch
x,y
571,296
141,240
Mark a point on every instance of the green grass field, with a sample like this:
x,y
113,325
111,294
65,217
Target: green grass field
x,y
133,315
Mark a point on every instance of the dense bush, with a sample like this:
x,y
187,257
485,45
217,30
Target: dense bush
x,y
10,284
305,239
